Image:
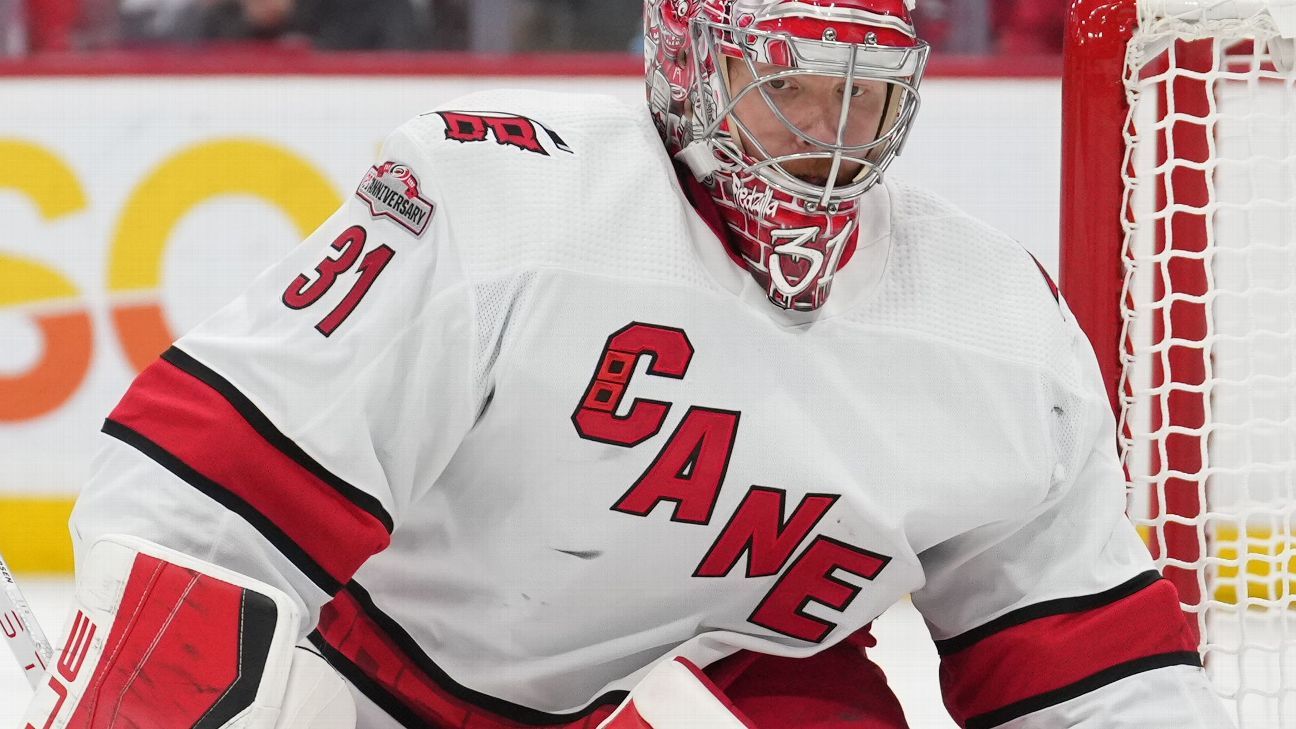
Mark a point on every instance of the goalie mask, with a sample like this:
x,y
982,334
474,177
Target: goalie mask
x,y
787,111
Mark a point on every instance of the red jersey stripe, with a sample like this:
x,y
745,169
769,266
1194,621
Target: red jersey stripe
x,y
197,432
838,687
1034,664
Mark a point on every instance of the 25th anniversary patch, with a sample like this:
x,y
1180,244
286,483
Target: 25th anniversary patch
x,y
392,191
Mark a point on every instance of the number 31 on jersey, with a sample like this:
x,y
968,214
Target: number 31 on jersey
x,y
350,245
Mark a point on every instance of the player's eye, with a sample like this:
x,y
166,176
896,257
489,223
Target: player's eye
x,y
779,84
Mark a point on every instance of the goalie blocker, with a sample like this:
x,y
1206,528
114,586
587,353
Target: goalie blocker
x,y
158,638
162,639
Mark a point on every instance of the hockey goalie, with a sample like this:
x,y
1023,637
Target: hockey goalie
x,y
580,415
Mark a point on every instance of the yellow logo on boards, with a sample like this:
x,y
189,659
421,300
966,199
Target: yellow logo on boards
x,y
136,252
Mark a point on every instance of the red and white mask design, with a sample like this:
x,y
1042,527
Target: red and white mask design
x,y
788,111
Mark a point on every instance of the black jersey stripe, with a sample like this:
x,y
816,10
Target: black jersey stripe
x,y
1048,608
266,429
374,691
223,496
409,715
1082,687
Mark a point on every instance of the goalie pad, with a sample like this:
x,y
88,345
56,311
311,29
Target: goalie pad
x,y
164,640
676,695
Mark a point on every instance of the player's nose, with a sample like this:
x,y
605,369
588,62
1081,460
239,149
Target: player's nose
x,y
821,122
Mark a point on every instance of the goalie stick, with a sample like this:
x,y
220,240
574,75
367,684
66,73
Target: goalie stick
x,y
22,633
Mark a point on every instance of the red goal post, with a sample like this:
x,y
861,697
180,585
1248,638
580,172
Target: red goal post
x,y
1178,258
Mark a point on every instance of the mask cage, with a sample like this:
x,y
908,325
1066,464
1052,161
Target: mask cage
x,y
717,44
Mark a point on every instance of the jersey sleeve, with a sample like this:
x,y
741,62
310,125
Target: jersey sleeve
x,y
285,436
1059,618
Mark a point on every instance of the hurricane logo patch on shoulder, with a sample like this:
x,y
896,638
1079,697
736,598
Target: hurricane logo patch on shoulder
x,y
392,191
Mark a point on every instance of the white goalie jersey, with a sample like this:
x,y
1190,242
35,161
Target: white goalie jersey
x,y
513,429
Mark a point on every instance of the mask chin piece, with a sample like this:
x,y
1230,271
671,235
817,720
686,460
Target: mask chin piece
x,y
829,187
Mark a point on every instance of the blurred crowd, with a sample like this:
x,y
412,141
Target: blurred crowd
x,y
973,27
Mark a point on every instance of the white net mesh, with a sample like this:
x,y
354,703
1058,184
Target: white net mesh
x,y
1208,384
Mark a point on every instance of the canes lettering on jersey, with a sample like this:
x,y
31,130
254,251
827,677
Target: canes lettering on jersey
x,y
756,528
689,472
596,419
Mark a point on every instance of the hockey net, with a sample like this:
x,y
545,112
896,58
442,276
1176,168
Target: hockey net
x,y
1179,258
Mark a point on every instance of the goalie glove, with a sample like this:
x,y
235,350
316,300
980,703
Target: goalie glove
x,y
164,640
676,695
